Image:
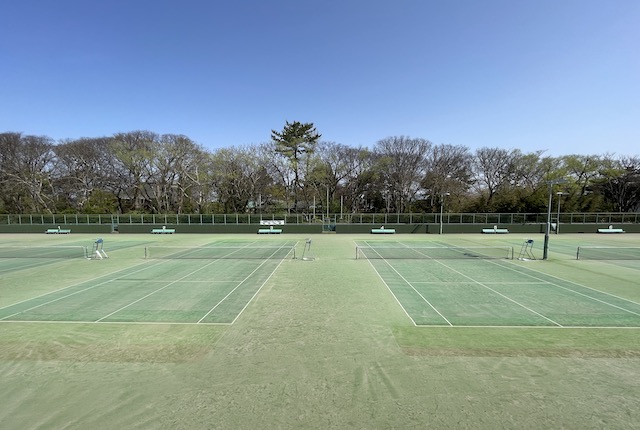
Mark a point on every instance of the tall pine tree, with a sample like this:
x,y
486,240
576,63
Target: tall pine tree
x,y
296,142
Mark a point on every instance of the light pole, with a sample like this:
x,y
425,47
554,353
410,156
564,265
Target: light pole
x,y
545,251
559,194
327,203
442,208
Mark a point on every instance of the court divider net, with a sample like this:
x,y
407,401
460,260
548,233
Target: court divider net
x,y
433,252
608,253
220,252
62,251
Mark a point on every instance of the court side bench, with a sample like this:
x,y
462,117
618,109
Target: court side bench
x,y
610,230
163,231
383,231
57,231
495,230
270,230
271,222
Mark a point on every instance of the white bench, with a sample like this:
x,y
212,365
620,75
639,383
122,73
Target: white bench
x,y
163,231
495,230
269,230
610,230
271,222
383,231
57,231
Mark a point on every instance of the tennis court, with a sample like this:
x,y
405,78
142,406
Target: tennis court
x,y
208,284
438,285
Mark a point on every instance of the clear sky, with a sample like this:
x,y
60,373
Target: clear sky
x,y
556,75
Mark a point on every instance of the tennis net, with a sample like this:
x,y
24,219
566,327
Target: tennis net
x,y
220,252
607,253
433,252
68,251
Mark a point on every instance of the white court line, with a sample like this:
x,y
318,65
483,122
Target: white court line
x,y
256,293
149,281
84,282
545,327
391,291
64,297
145,263
394,296
110,322
482,285
498,293
238,286
573,291
412,287
155,291
470,282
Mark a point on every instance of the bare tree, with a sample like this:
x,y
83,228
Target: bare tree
x,y
447,170
494,168
27,163
401,164
239,178
620,183
583,171
132,153
82,172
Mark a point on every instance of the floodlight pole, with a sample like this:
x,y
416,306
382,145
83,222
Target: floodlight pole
x,y
559,194
442,208
327,203
545,251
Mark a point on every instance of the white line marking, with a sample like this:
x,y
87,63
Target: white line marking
x,y
498,293
80,283
151,281
109,322
155,291
64,297
238,286
574,291
412,287
478,283
394,296
256,293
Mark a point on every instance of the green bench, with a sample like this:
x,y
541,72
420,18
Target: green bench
x,y
57,231
610,230
383,231
269,230
495,231
163,231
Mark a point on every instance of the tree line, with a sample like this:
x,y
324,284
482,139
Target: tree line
x,y
146,172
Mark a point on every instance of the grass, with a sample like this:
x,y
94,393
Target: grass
x,y
323,344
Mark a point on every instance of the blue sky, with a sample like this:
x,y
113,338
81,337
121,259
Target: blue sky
x,y
561,76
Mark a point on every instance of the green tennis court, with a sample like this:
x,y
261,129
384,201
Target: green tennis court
x,y
231,331
197,285
482,286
